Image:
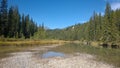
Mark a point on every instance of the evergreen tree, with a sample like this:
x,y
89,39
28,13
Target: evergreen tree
x,y
23,25
99,27
14,20
27,26
12,25
116,24
107,24
91,30
11,22
19,27
0,24
4,18
95,23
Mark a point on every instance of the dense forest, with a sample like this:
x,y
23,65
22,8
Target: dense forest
x,y
105,28
14,25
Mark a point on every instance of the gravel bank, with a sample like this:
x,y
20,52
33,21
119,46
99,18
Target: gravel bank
x,y
27,60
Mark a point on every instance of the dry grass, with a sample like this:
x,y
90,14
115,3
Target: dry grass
x,y
32,42
14,45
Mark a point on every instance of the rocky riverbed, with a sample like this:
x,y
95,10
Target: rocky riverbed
x,y
29,59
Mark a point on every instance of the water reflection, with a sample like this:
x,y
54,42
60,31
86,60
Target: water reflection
x,y
52,54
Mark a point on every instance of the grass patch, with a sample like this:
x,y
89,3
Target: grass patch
x,y
4,50
16,45
31,42
111,56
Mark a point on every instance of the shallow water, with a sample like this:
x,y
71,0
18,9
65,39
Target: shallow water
x,y
60,51
42,51
52,54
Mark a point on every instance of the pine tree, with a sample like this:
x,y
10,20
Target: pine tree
x,y
12,25
91,29
107,36
95,23
4,18
32,27
116,24
99,27
14,20
27,26
11,22
23,25
19,27
0,25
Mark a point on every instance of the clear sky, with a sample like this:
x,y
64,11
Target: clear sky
x,y
62,13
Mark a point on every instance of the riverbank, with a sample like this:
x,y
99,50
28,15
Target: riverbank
x,y
13,41
29,59
108,55
9,46
30,42
111,56
110,45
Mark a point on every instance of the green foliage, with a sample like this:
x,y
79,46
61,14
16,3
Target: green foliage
x,y
3,18
12,25
104,28
107,34
41,33
13,21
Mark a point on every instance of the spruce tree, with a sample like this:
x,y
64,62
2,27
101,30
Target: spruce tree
x,y
11,22
107,36
23,25
27,26
4,18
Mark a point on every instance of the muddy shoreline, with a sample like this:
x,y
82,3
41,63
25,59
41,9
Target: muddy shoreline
x,y
29,59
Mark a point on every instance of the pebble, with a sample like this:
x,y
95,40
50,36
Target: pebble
x,y
27,60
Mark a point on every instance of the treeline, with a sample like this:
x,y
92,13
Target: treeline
x,y
14,25
105,28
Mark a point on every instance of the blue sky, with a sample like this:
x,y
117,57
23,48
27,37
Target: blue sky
x,y
61,13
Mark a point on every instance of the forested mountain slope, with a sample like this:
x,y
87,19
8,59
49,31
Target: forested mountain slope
x,y
105,28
